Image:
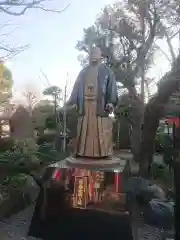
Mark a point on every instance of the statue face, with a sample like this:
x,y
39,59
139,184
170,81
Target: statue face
x,y
95,55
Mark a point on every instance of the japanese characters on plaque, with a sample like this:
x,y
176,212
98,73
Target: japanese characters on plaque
x,y
89,187
81,191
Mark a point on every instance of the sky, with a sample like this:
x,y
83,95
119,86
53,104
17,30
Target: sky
x,y
52,38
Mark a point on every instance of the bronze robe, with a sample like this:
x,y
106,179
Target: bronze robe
x,y
94,134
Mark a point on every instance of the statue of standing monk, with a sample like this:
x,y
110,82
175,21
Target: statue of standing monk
x,y
95,96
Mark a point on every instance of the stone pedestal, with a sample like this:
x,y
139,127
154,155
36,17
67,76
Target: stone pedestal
x,y
111,162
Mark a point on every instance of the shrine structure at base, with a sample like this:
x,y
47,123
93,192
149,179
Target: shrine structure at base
x,y
94,183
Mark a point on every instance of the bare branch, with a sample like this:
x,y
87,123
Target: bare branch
x,y
10,52
5,6
169,38
11,7
175,34
31,95
173,56
143,50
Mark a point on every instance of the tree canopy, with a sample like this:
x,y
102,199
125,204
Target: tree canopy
x,y
128,34
5,86
53,91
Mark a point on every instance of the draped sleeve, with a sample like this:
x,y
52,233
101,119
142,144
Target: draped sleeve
x,y
74,94
112,96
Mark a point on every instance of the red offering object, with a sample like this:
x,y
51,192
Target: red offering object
x,y
118,182
57,175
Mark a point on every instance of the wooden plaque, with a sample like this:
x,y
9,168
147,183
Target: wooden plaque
x,y
81,191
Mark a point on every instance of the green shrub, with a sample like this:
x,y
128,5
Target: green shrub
x,y
46,138
17,182
6,144
47,153
51,122
162,172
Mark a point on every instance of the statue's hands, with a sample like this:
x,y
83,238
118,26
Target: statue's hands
x,y
109,107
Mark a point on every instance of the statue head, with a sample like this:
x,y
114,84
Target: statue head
x,y
95,55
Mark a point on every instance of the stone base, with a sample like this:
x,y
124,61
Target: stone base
x,y
111,162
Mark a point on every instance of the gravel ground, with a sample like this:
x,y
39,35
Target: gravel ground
x,y
17,226
143,231
149,233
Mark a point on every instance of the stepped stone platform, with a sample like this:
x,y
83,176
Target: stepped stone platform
x,y
119,161
113,162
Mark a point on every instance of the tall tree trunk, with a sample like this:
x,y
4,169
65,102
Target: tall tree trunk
x,y
142,14
169,84
136,116
136,123
151,121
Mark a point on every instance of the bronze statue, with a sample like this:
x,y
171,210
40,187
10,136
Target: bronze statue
x,y
95,95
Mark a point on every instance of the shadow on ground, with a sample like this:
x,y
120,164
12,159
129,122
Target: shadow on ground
x,y
74,223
